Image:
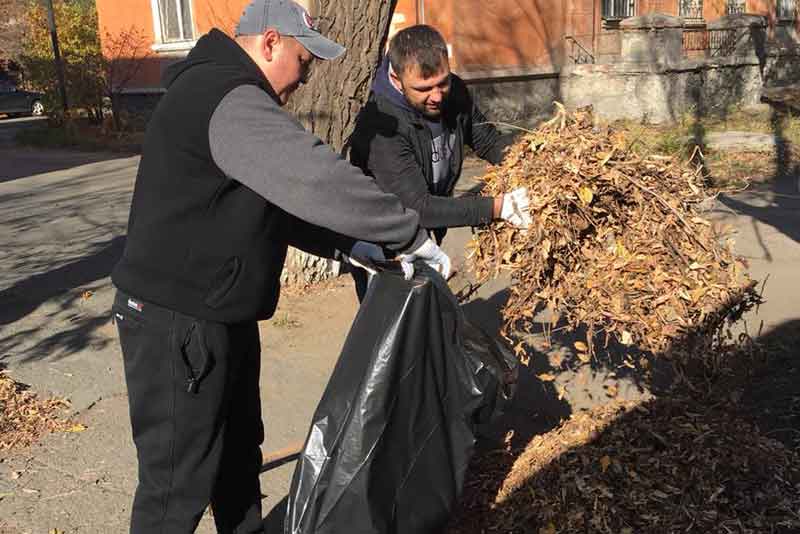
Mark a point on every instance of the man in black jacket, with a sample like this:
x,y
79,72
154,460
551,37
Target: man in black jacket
x,y
410,137
226,182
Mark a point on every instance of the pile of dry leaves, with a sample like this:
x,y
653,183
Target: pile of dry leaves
x,y
668,466
618,243
24,417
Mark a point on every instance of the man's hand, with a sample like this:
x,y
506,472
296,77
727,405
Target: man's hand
x,y
515,208
431,254
363,251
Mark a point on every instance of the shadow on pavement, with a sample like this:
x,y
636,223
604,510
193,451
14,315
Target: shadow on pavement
x,y
771,397
780,213
536,407
62,343
73,331
29,161
714,444
25,296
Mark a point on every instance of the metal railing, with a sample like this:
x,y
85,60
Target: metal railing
x,y
718,43
576,52
723,42
618,9
695,39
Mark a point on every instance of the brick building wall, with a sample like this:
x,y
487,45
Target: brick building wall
x,y
511,51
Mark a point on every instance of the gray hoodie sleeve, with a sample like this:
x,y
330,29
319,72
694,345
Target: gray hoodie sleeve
x,y
258,144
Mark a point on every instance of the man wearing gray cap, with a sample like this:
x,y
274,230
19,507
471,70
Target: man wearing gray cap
x,y
226,182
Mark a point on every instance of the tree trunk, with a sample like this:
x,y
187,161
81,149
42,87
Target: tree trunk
x,y
115,111
329,103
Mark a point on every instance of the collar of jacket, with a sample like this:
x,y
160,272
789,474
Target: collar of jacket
x,y
217,47
410,115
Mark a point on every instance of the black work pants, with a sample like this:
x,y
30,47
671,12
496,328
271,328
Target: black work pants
x,y
196,418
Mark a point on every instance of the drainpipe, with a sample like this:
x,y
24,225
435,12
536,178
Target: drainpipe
x,y
594,27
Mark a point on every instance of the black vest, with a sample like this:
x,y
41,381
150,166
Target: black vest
x,y
199,242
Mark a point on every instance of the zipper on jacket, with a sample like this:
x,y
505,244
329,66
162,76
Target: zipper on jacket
x,y
428,155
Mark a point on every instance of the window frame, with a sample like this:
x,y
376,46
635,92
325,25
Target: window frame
x,y
735,7
172,45
684,3
603,3
783,17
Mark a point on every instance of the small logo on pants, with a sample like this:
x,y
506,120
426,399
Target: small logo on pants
x,y
135,305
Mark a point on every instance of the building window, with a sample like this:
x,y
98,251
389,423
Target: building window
x,y
174,20
786,9
618,9
691,9
735,7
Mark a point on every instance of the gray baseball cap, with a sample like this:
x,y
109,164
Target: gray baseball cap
x,y
290,19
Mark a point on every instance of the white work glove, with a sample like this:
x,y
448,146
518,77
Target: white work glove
x,y
362,251
431,254
516,208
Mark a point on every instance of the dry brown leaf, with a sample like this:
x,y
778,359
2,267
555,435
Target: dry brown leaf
x,y
605,461
586,195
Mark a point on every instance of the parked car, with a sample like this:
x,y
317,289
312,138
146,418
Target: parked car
x,y
15,101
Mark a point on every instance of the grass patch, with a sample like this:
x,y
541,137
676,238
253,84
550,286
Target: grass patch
x,y
725,168
285,320
741,168
81,135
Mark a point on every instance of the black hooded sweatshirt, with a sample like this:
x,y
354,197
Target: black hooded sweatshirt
x,y
227,181
393,143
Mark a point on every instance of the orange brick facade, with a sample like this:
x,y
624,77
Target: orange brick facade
x,y
487,38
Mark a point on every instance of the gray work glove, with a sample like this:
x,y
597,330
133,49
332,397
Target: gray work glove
x,y
431,254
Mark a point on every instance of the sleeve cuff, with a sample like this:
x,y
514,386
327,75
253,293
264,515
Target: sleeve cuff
x,y
485,210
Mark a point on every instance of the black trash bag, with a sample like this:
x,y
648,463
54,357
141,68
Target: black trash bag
x,y
395,429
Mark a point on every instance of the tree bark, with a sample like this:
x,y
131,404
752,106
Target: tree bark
x,y
329,103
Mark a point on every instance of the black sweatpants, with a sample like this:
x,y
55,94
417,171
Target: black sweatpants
x,y
196,418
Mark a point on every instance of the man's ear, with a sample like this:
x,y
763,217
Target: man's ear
x,y
269,43
394,78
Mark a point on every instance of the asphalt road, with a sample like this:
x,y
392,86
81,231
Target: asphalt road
x,y
10,127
